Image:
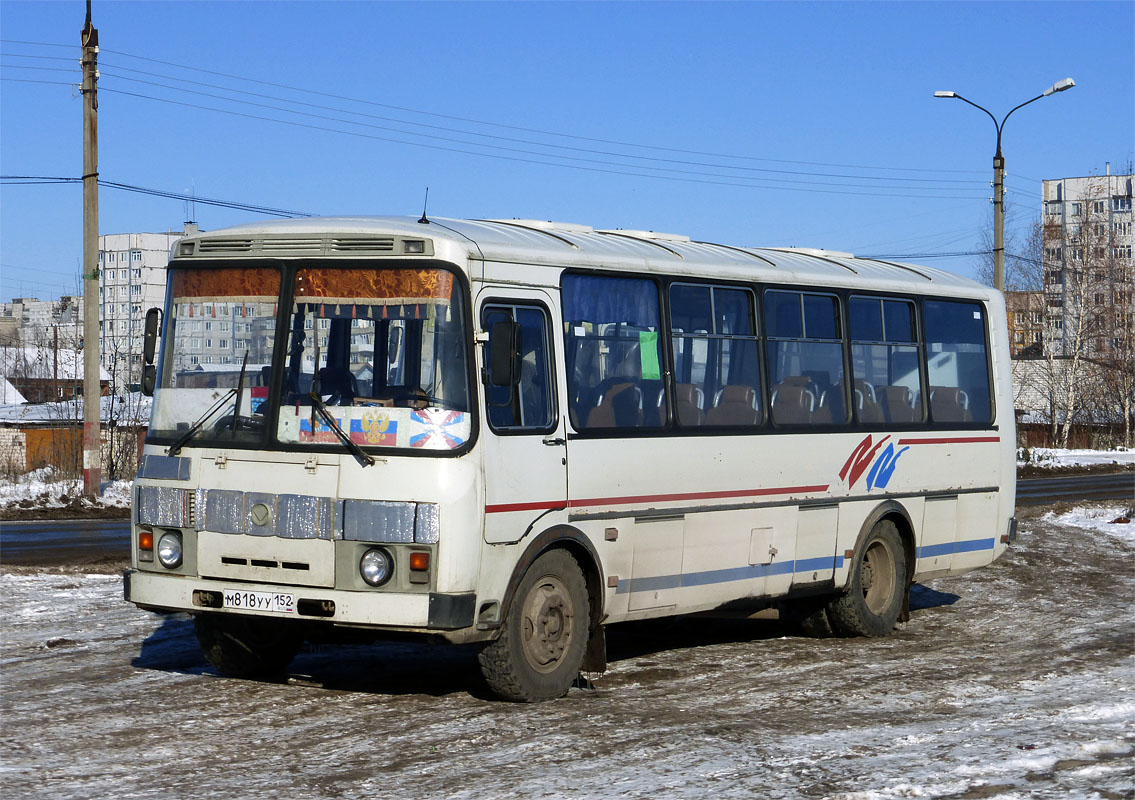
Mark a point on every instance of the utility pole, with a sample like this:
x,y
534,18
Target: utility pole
x,y
92,390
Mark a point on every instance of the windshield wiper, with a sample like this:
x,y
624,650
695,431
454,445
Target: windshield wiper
x,y
364,459
239,391
195,428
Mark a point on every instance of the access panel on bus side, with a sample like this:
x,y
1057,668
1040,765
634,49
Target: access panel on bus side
x,y
523,443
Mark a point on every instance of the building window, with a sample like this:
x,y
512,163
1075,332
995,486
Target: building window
x,y
1121,203
136,255
1077,209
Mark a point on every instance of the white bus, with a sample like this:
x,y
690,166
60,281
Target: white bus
x,y
513,433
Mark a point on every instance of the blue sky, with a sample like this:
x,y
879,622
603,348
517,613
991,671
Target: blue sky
x,y
807,124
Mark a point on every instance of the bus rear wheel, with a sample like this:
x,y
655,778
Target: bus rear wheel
x,y
874,597
541,646
246,647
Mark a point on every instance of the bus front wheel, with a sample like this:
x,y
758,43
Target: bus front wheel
x,y
541,646
874,597
246,647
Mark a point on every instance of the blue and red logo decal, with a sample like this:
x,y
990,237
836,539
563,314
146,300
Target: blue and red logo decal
x,y
867,454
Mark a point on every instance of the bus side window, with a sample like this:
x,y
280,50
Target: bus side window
x,y
805,355
884,361
614,352
957,362
527,406
716,366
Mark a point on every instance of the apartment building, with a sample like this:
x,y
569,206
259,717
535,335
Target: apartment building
x,y
32,322
132,279
1089,281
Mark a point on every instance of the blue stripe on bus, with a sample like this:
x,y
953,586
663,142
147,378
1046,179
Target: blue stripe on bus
x,y
709,577
751,572
949,548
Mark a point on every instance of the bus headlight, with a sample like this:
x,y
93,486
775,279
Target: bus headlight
x,y
169,550
376,566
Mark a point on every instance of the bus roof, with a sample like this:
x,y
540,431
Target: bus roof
x,y
571,245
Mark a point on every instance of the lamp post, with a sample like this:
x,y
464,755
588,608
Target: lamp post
x,y
999,176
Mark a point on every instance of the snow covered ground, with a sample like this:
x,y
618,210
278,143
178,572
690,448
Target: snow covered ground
x,y
1055,457
43,488
1015,681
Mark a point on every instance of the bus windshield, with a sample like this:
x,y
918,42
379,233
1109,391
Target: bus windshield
x,y
220,333
382,352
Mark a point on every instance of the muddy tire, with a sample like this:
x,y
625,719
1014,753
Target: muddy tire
x,y
874,597
541,646
811,615
246,647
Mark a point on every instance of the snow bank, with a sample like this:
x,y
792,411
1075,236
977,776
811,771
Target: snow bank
x,y
1098,519
45,488
1056,457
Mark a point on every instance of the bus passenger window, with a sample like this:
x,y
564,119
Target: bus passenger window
x,y
614,353
528,405
956,361
884,361
805,353
716,357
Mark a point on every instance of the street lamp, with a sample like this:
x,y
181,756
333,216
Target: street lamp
x,y
999,176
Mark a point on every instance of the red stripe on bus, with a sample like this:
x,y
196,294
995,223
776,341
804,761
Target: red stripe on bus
x,y
965,440
552,505
671,498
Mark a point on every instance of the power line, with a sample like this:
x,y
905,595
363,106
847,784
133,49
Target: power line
x,y
37,44
564,157
483,135
25,180
519,159
516,127
905,256
530,130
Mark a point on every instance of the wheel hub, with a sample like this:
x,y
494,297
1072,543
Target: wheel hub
x,y
547,625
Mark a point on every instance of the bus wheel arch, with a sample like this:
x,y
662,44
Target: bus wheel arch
x,y
549,630
879,578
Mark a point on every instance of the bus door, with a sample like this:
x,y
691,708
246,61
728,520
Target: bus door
x,y
523,440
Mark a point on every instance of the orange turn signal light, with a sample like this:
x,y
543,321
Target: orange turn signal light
x,y
419,562
146,540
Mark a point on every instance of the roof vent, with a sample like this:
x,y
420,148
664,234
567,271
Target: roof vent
x,y
360,244
224,245
812,251
547,225
291,245
654,235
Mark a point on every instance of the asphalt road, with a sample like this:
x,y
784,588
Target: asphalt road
x,y
54,542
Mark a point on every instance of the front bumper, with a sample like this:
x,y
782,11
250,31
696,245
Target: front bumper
x,y
423,612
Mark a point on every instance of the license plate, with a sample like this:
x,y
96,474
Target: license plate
x,y
260,601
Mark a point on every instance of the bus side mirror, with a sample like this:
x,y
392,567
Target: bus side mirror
x,y
504,354
150,337
149,379
149,347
